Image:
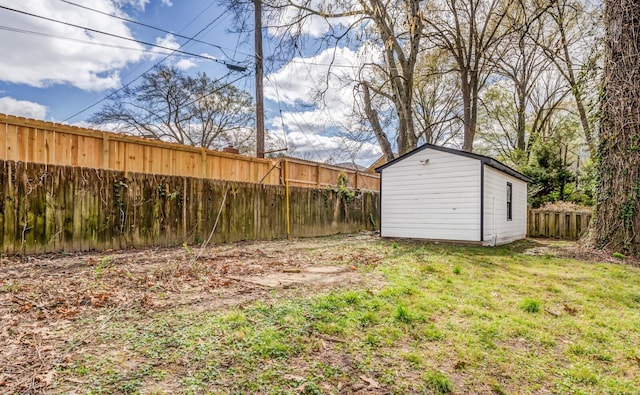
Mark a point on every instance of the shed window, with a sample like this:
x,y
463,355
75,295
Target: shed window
x,y
509,201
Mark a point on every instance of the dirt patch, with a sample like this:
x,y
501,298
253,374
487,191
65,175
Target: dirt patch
x,y
577,250
310,276
43,298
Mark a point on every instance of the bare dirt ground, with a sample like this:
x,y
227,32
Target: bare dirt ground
x,y
578,250
44,298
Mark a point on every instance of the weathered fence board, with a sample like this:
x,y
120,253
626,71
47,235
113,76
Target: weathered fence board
x,y
45,208
570,225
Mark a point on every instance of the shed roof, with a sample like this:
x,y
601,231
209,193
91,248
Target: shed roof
x,y
484,159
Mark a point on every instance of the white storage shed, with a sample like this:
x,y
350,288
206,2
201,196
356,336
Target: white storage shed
x,y
440,193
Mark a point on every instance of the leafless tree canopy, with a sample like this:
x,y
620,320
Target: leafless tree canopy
x,y
426,65
171,106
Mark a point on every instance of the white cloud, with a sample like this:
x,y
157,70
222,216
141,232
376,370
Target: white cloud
x,y
331,72
138,4
334,149
168,41
316,130
168,3
313,25
185,64
41,61
22,108
319,132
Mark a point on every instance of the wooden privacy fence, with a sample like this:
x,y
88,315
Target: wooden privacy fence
x,y
304,173
558,224
45,208
28,140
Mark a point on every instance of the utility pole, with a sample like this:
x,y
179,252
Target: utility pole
x,y
259,78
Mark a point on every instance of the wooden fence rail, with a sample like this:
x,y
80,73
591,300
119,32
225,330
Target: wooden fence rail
x,y
569,225
33,141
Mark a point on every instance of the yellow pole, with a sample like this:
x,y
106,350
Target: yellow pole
x,y
286,186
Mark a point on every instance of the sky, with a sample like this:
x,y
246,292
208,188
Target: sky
x,y
62,72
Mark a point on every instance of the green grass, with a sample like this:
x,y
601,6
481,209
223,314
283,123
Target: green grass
x,y
437,382
422,329
530,305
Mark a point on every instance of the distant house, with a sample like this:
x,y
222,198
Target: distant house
x,y
445,194
379,162
350,166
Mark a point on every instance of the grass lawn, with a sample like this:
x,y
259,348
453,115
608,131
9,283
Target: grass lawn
x,y
421,318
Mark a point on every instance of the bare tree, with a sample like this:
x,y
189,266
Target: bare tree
x,y
392,28
374,121
170,106
436,104
500,116
617,219
521,60
574,46
470,30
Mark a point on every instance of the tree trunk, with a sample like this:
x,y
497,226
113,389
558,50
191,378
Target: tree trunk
x,y
521,122
617,219
372,116
576,89
469,129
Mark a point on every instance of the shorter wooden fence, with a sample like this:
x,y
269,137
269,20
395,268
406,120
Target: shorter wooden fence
x,y
47,208
570,225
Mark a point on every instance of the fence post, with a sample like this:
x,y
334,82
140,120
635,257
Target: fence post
x,y
203,163
105,150
286,187
318,175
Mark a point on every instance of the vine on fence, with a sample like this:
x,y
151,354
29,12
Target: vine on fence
x,y
346,196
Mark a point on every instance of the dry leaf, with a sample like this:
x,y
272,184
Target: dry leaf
x,y
293,377
460,365
48,378
372,383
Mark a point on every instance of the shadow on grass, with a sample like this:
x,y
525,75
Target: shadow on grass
x,y
417,246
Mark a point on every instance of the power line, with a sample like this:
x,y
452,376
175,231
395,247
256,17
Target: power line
x,y
284,131
101,44
173,50
314,83
147,26
150,68
217,89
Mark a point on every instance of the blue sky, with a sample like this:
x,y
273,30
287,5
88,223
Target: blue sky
x,y
52,71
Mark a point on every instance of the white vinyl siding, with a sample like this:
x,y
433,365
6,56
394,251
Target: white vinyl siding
x,y
497,228
437,200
